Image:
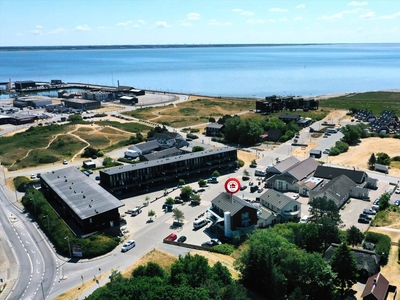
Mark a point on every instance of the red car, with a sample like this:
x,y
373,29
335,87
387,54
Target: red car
x,y
172,237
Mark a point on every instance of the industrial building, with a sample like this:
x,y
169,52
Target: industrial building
x,y
81,202
143,176
32,102
82,104
274,103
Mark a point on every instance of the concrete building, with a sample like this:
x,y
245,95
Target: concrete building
x,y
143,176
81,202
214,129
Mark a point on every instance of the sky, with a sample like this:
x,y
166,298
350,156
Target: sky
x,y
138,22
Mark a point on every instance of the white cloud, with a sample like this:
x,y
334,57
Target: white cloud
x,y
161,24
255,21
214,22
393,16
368,15
277,9
186,24
36,32
83,28
193,16
298,18
243,12
301,6
283,19
142,22
331,17
39,26
272,21
124,24
103,27
58,31
355,3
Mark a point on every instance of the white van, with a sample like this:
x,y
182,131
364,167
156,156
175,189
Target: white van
x,y
136,211
199,223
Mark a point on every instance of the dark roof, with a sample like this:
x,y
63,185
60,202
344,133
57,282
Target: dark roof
x,y
289,116
303,168
167,135
377,285
276,199
284,165
331,172
183,157
233,205
366,259
163,153
336,188
82,194
147,146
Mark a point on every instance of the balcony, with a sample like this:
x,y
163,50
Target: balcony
x,y
290,212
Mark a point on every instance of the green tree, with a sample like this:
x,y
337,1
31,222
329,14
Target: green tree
x,y
150,270
384,201
211,120
253,163
383,159
75,118
202,182
321,207
195,199
372,161
181,182
344,265
108,162
178,215
170,201
151,214
192,270
215,174
354,236
197,149
186,192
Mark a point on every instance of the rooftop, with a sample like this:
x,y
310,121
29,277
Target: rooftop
x,y
83,195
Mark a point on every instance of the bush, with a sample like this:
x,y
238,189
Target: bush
x,y
192,136
100,115
20,182
334,151
226,249
46,159
396,158
240,163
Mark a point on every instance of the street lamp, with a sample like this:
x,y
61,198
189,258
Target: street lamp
x,y
69,247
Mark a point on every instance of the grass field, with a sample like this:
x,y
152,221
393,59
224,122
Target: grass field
x,y
374,101
190,113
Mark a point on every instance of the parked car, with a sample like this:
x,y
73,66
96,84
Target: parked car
x,y
243,187
211,243
182,239
89,171
128,245
397,202
363,220
260,190
376,202
365,216
397,191
304,219
172,237
97,177
65,162
375,207
369,211
33,176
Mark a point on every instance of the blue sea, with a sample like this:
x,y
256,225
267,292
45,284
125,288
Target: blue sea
x,y
306,70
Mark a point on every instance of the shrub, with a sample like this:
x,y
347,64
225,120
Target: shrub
x,y
193,130
240,163
396,158
192,136
226,249
20,181
100,115
334,151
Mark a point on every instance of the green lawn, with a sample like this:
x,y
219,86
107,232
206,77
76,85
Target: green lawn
x,y
374,101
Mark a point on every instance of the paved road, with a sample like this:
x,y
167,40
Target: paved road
x,y
37,262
